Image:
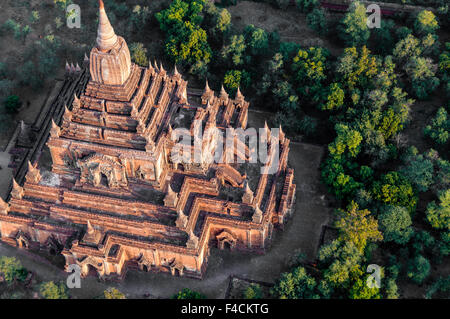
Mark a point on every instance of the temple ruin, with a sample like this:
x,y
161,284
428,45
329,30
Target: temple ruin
x,y
115,197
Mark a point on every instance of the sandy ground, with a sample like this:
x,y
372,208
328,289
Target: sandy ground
x,y
301,234
290,24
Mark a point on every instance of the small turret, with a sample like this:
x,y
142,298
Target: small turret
x,y
4,207
247,198
90,229
54,130
239,97
17,190
33,175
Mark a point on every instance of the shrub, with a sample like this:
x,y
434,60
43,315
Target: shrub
x,y
438,215
113,293
186,293
12,269
439,128
139,54
418,269
426,22
253,291
395,223
50,290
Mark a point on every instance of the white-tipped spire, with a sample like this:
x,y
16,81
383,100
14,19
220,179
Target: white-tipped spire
x,y
223,94
55,130
17,190
4,207
239,95
90,229
106,37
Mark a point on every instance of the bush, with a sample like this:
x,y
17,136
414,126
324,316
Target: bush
x,y
439,128
11,269
50,290
395,223
438,215
186,293
353,29
253,291
113,293
34,17
317,21
394,189
139,54
426,22
297,284
418,269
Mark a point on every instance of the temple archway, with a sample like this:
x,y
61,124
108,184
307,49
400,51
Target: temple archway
x,y
226,240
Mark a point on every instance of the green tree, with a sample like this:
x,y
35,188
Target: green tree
x,y
335,173
391,290
310,70
426,22
11,269
139,54
139,15
295,285
360,290
113,293
186,41
234,50
253,291
421,72
407,48
395,223
353,29
257,40
419,170
222,22
317,21
236,78
438,215
186,293
34,17
394,189
357,67
383,41
442,284
418,269
357,226
340,263
51,290
335,98
439,127
348,141
307,5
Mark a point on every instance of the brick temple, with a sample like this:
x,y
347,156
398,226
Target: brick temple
x,y
116,199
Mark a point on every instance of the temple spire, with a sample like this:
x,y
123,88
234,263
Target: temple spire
x,y
106,38
90,229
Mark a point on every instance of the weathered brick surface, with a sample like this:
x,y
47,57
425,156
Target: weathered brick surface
x,y
108,207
